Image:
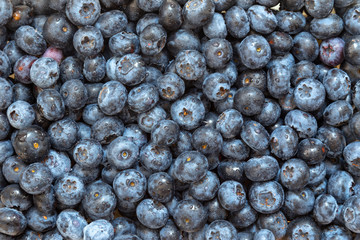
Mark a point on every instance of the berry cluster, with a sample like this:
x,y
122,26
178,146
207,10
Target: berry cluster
x,y
179,120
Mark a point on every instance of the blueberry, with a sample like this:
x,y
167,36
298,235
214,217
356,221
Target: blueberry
x,y
328,27
337,84
12,222
152,39
264,234
261,168
71,224
51,105
237,21
312,150
122,153
276,223
39,222
20,114
217,52
262,19
249,101
309,95
143,97
170,86
254,51
216,28
104,23
88,153
112,98
255,136
319,8
88,40
190,215
229,123
190,166
106,129
333,139
135,134
340,186
231,195
59,163
58,31
94,68
6,94
336,231
197,13
266,197
6,12
12,168
302,122
130,185
63,134
124,43
123,225
152,214
183,39
30,41
332,51
290,22
69,189
206,188
84,12
230,170
337,113
190,64
99,229
302,70
35,178
325,209
12,196
71,68
221,229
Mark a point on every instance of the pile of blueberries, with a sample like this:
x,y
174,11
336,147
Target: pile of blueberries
x,y
179,120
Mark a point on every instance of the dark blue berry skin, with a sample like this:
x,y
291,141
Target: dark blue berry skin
x,y
88,41
249,101
280,42
266,197
302,70
6,12
351,50
295,174
262,19
51,105
12,168
88,153
35,178
328,27
261,169
39,221
334,140
161,187
148,120
231,195
303,225
124,43
303,123
337,84
207,140
12,222
7,148
69,189
190,64
99,200
270,113
338,113
170,86
290,22
340,186
143,97
107,129
6,93
183,144
190,166
183,39
12,196
70,224
84,12
351,154
170,16
312,151
229,123
100,229
252,78
135,134
335,231
5,65
130,69
94,68
152,39
332,51
20,114
278,81
244,217
255,136
319,8
309,95
215,210
354,125
230,170
216,87
325,208
122,153
190,215
130,185
112,98
198,13
123,225
283,142
165,132
12,51
305,47
216,28
188,112
53,235
92,113
276,223
218,52
74,93
22,68
45,202
23,93
254,51
237,22
71,68
221,229
108,30
349,214
152,214
206,188
235,149
286,60
264,234
143,232
350,20
30,41
155,158
170,231
4,126
63,134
